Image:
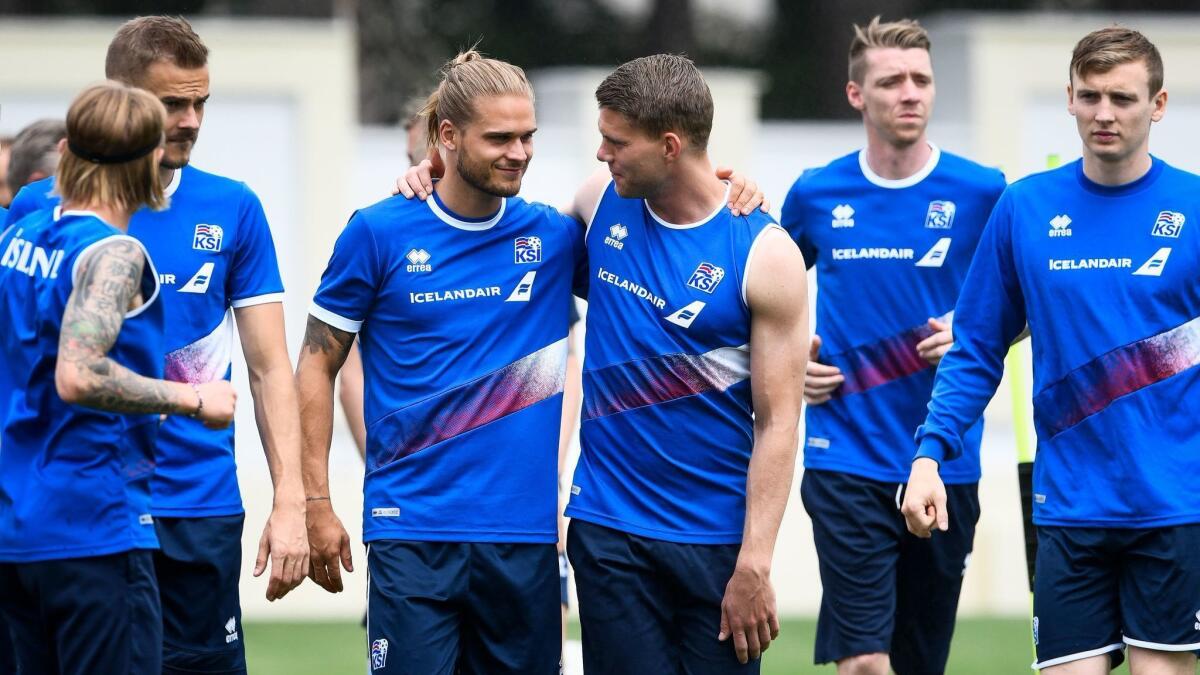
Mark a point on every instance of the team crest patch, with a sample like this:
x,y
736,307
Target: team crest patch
x,y
706,277
527,250
208,238
379,650
940,215
1168,224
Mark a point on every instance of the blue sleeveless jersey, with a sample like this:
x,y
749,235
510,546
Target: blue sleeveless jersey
x,y
74,482
667,425
214,252
462,326
1106,278
889,255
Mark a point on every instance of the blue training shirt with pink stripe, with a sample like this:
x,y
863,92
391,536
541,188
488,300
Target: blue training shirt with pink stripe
x,y
667,425
1106,279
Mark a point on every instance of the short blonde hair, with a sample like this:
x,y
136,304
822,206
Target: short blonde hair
x,y
465,78
1102,50
112,132
902,34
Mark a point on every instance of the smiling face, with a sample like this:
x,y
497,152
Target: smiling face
x,y
184,93
895,95
1113,111
494,149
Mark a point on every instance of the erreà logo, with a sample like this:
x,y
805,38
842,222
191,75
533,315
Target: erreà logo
x,y
936,255
616,235
843,216
1154,266
418,260
684,317
1060,226
231,630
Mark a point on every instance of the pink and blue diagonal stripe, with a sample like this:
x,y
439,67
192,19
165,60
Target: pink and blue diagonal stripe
x,y
636,384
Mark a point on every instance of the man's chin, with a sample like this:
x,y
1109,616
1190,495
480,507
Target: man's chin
x,y
175,162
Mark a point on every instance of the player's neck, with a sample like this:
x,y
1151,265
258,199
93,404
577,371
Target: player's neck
x,y
118,218
690,195
465,199
165,175
1112,174
897,162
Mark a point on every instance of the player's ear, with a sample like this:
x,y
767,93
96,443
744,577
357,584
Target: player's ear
x,y
1070,99
1160,105
448,135
672,146
854,95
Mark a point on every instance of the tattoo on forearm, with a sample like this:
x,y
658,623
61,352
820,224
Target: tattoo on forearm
x,y
321,338
108,283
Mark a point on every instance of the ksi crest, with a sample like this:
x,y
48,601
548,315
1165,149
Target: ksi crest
x,y
527,250
940,215
208,238
706,277
379,650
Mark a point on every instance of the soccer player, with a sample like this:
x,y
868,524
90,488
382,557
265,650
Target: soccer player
x,y
215,254
34,153
459,307
689,435
891,230
1100,257
81,396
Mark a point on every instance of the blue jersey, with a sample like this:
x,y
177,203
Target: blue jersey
x,y
889,255
1106,279
667,424
214,252
462,325
74,481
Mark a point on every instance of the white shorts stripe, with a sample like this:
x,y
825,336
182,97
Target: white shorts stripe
x,y
1161,647
1078,656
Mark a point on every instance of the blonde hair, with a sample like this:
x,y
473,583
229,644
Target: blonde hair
x,y
465,78
1102,50
902,34
113,131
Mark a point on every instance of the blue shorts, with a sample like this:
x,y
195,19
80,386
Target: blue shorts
x,y
650,606
84,615
1139,587
884,589
440,608
198,567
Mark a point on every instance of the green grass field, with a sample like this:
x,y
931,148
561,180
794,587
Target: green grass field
x,y
981,647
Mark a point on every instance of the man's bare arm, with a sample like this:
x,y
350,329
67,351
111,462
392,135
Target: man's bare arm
x,y
107,284
322,355
273,390
778,298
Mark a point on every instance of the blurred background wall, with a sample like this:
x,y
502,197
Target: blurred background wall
x,y
306,97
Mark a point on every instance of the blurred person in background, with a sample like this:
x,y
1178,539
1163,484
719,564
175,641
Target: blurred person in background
x,y
6,195
891,229
217,263
83,398
35,153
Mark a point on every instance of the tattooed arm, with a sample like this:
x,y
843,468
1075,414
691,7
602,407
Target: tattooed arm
x,y
322,355
106,287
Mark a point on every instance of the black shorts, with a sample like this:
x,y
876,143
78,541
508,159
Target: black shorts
x,y
651,606
440,608
885,590
84,615
198,567
1139,587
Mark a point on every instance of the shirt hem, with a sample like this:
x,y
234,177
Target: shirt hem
x,y
189,512
466,537
674,537
948,478
1122,523
58,553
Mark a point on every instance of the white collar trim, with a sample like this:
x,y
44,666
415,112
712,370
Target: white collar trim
x,y
176,179
465,224
895,184
698,223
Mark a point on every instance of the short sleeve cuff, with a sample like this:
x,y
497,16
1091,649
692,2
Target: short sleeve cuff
x,y
336,320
